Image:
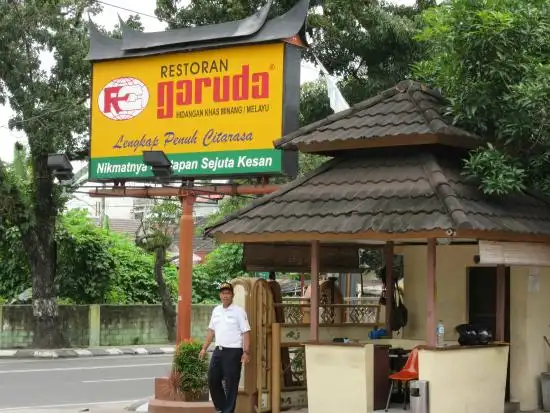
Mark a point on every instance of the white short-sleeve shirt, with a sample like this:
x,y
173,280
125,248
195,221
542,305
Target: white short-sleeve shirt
x,y
229,324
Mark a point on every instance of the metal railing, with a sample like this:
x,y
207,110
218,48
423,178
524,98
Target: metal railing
x,y
331,313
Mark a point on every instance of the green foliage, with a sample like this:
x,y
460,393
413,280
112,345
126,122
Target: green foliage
x,y
94,265
85,263
310,162
498,172
490,58
351,38
14,270
133,280
314,102
190,372
369,44
160,225
222,264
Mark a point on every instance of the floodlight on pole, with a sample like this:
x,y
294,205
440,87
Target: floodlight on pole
x,y
60,165
159,163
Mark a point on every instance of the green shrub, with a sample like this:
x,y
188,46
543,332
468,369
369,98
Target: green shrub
x,y
191,373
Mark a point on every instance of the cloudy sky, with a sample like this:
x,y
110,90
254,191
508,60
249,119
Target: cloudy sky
x,y
109,17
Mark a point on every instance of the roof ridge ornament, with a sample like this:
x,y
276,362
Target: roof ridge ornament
x,y
135,40
254,29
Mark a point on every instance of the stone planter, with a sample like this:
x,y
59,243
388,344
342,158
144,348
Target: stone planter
x,y
167,401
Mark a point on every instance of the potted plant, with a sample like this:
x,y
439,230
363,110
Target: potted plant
x,y
189,376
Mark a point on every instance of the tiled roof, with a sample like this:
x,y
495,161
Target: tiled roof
x,y
387,191
407,109
124,226
200,244
132,226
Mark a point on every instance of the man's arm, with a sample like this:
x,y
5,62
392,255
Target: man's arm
x,y
210,332
245,330
208,340
246,342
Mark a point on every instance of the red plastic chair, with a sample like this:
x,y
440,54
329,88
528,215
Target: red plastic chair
x,y
408,373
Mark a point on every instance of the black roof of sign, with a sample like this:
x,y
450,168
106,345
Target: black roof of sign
x,y
252,30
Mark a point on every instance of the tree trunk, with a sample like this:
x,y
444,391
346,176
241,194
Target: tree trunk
x,y
39,239
47,329
168,309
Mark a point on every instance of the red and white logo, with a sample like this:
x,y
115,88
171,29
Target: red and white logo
x,y
123,98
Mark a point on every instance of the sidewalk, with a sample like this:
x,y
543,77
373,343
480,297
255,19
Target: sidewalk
x,y
87,352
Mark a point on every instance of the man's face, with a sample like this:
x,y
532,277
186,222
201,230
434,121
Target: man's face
x,y
226,296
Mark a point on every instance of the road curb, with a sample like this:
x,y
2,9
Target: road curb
x,y
83,353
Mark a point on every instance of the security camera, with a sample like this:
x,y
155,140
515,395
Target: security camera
x,y
451,232
477,259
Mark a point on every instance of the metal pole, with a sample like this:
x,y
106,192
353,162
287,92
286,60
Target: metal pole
x,y
501,303
390,294
185,285
431,292
314,299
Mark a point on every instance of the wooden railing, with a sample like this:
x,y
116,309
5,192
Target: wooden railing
x,y
331,313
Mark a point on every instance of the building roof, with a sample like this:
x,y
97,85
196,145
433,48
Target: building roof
x,y
201,245
407,114
252,30
122,226
388,191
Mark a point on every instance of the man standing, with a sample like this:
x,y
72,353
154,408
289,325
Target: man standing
x,y
230,326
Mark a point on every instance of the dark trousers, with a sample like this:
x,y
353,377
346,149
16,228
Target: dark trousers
x,y
225,366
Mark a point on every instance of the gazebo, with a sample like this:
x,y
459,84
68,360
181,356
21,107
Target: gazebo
x,y
395,180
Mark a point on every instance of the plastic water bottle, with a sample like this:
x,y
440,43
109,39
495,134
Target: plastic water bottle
x,y
440,334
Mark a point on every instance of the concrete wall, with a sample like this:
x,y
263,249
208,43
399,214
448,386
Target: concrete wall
x,y
529,311
95,325
529,323
452,299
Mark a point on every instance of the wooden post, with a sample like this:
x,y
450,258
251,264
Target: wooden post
x,y
314,299
501,303
431,292
388,257
276,369
185,285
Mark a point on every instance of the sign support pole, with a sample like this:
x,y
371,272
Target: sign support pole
x,y
185,285
187,197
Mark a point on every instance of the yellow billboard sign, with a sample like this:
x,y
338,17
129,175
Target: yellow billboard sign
x,y
212,112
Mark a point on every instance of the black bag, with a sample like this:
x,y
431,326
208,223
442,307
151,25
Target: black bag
x,y
400,314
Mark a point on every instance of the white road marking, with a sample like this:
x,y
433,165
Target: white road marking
x,y
144,408
73,360
140,350
115,380
123,366
46,354
168,350
7,353
83,352
55,406
114,351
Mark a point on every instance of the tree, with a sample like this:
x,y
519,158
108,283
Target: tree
x,y
159,226
370,45
223,264
94,265
351,38
85,265
490,59
50,108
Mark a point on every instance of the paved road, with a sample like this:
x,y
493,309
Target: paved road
x,y
78,383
